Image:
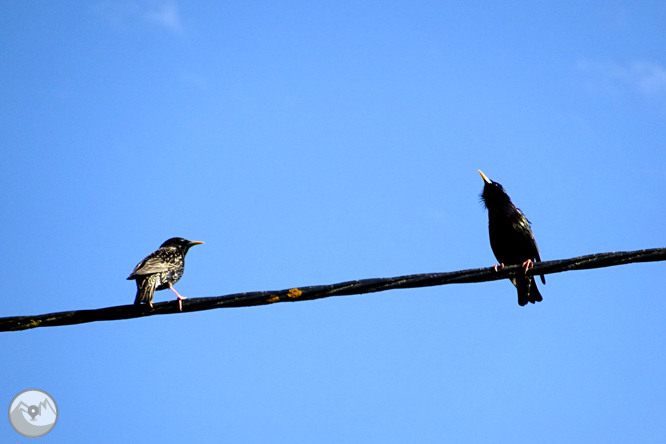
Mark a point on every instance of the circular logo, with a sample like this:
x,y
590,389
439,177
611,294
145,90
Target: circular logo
x,y
33,413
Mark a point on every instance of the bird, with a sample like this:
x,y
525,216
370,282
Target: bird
x,y
511,238
161,269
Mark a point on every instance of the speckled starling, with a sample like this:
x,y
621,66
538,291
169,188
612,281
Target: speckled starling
x,y
511,238
161,269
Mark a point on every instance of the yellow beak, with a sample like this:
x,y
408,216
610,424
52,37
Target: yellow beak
x,y
485,178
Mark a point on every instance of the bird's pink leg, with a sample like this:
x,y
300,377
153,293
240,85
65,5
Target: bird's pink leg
x,y
180,298
528,264
500,265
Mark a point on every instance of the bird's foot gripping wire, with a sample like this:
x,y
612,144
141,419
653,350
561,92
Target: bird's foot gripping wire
x,y
180,298
496,265
528,264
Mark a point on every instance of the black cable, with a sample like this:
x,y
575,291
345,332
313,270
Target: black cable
x,y
251,299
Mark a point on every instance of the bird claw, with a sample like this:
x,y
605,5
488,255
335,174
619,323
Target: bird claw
x,y
180,298
180,301
528,264
500,265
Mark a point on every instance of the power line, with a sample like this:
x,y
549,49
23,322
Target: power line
x,y
251,299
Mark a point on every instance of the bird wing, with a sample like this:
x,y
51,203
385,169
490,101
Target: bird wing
x,y
536,253
526,228
535,247
149,265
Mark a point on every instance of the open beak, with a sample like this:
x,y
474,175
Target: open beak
x,y
485,178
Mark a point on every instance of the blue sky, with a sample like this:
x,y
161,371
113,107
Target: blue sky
x,y
313,143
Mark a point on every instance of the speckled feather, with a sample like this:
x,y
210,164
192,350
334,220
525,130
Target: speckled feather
x,y
160,268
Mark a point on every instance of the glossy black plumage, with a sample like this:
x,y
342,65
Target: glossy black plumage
x,y
161,269
511,238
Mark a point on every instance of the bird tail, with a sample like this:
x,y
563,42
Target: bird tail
x,y
145,290
527,290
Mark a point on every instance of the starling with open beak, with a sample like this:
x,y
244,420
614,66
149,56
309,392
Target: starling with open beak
x,y
511,238
161,269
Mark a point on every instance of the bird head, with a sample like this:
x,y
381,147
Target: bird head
x,y
493,195
180,243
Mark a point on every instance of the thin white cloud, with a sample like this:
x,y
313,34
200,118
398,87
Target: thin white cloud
x,y
194,79
133,13
650,78
646,78
165,14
